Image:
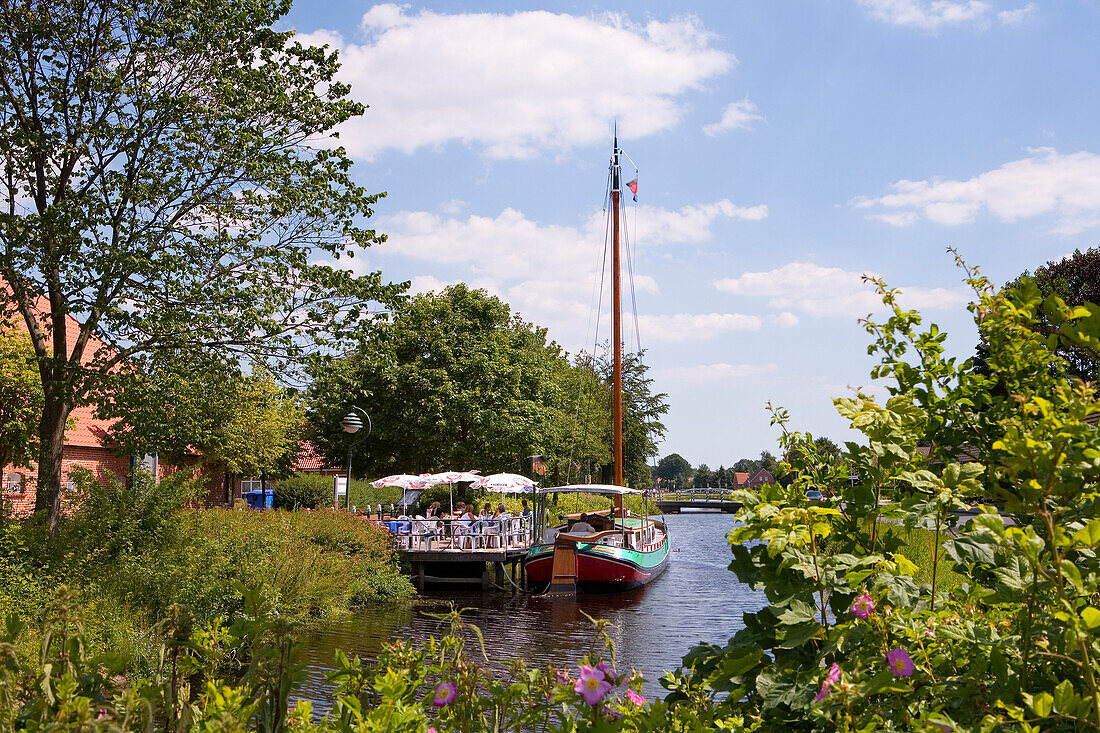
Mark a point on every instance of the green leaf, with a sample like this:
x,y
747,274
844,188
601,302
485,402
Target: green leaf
x,y
905,567
1089,535
1091,616
1065,701
798,612
1040,704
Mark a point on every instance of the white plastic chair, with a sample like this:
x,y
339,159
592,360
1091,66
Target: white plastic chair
x,y
461,536
426,532
493,534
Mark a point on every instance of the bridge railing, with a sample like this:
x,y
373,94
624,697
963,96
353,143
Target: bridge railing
x,y
709,494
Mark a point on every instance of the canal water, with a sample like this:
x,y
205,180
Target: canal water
x,y
697,599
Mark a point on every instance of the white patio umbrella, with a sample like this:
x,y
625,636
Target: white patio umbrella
x,y
403,481
450,478
400,480
506,483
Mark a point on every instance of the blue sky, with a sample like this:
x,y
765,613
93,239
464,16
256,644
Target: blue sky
x,y
784,148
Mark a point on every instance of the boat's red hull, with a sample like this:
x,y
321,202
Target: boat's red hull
x,y
595,573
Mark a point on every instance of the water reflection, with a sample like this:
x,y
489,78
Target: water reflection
x,y
696,600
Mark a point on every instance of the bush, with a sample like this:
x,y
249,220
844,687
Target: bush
x,y
242,677
364,495
862,632
309,564
303,491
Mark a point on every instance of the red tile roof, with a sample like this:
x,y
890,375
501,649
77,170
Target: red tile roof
x,y
308,459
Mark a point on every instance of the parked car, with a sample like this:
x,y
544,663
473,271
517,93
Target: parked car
x,y
815,495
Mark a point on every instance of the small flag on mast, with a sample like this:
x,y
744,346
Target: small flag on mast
x,y
633,186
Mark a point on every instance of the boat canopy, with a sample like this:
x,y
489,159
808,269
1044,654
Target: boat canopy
x,y
588,489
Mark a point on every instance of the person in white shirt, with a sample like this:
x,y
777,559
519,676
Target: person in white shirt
x,y
582,527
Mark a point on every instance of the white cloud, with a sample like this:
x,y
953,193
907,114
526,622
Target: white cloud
x,y
548,272
900,219
786,319
1045,182
735,116
931,15
430,284
518,83
1014,17
512,247
695,326
830,291
688,224
453,206
712,372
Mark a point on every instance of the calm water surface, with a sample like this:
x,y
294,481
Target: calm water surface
x,y
696,599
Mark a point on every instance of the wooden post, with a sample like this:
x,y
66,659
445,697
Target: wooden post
x,y
419,568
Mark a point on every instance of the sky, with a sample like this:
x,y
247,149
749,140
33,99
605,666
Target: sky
x,y
783,150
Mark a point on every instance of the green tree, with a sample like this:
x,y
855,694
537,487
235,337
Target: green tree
x,y
673,470
163,185
580,447
642,413
261,436
860,631
20,398
747,465
180,404
1076,280
827,449
455,381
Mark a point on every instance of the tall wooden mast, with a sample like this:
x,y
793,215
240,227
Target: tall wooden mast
x,y
616,305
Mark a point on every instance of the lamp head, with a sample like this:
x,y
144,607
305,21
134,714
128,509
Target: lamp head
x,y
351,423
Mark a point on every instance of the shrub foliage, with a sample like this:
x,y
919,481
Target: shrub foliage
x,y
855,637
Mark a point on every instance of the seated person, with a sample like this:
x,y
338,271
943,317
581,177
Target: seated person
x,y
582,526
502,513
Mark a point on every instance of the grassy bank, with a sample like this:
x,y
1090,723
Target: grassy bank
x,y
133,554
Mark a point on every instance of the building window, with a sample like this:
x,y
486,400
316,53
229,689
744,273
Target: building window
x,y
250,484
15,483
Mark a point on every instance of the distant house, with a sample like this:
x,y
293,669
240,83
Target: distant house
x,y
86,445
740,479
763,476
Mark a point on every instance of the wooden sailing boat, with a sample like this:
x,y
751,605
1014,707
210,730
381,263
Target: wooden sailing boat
x,y
626,550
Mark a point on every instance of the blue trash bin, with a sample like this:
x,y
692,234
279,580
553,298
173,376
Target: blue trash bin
x,y
260,499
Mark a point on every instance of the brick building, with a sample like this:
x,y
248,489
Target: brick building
x,y
763,476
87,444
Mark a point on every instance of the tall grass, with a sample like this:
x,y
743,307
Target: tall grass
x,y
133,553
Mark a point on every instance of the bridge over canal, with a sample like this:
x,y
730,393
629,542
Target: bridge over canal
x,y
671,504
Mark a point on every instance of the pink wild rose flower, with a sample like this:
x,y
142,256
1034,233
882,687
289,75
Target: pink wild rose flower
x,y
445,693
863,606
635,698
900,663
830,679
592,685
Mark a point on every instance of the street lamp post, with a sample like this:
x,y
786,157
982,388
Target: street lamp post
x,y
351,425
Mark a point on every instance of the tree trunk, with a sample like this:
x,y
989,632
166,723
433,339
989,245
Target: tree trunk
x,y
51,432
